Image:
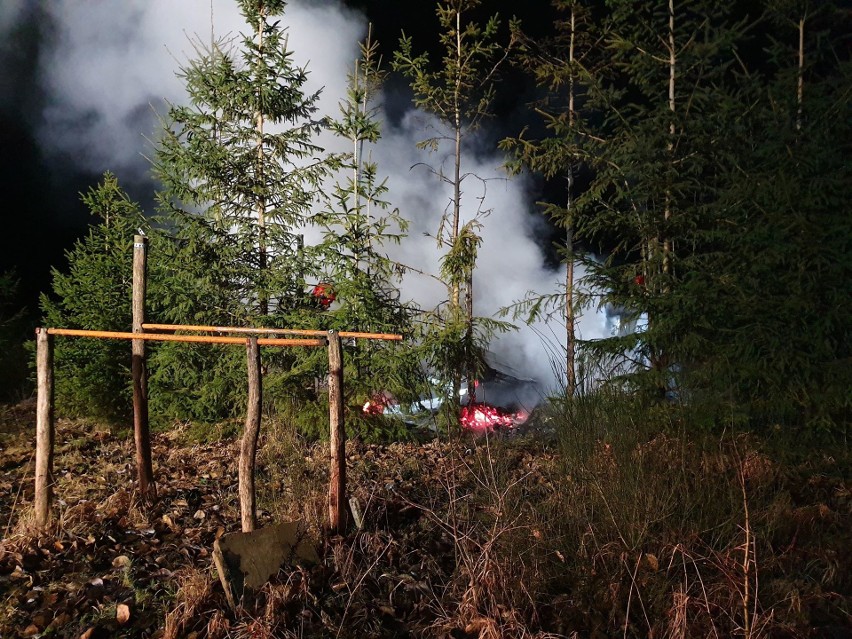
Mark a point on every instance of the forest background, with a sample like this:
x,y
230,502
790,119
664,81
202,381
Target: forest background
x,y
654,193
651,147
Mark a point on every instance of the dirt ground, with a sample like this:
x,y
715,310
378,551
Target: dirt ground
x,y
110,566
478,538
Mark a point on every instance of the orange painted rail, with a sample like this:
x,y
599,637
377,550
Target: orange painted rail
x,y
201,339
265,331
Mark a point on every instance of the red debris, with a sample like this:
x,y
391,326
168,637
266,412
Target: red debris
x,y
324,294
481,417
376,404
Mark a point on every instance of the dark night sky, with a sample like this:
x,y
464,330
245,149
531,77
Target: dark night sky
x,y
42,215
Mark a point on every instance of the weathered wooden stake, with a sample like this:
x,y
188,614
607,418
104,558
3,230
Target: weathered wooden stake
x,y
44,427
337,479
139,370
248,449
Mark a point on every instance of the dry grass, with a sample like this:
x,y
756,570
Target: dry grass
x,y
192,606
292,476
619,533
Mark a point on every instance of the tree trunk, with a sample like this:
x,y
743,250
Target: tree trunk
x,y
139,371
248,448
337,436
457,157
570,346
659,358
571,353
800,81
455,303
263,301
469,337
667,213
44,427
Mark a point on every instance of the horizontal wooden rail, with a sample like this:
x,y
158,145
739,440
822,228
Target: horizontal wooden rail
x,y
202,339
264,331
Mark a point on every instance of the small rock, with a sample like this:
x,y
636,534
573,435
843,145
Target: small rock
x,y
246,561
122,614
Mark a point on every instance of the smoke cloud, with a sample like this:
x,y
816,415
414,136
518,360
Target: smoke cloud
x,y
110,69
11,13
510,261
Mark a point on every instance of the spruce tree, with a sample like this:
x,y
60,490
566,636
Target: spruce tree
x,y
658,164
239,165
93,376
357,224
459,92
563,65
357,221
240,172
777,287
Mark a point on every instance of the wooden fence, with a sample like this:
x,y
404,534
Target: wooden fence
x,y
141,333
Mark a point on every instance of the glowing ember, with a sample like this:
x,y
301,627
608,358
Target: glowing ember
x,y
481,417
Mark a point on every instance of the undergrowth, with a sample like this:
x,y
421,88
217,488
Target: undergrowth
x,y
612,521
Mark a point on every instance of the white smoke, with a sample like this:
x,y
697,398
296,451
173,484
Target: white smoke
x,y
11,13
510,263
111,67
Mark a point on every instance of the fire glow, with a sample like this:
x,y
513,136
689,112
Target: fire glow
x,y
477,417
480,417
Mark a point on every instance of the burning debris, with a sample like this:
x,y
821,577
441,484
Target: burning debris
x,y
482,418
500,400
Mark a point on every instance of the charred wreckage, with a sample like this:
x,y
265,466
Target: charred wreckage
x,y
502,399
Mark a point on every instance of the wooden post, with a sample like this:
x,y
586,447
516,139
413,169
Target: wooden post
x,y
44,427
139,370
248,448
337,435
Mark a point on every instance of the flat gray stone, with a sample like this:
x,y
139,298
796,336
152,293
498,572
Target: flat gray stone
x,y
246,561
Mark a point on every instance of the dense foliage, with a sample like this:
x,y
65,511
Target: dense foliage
x,y
241,178
93,376
13,334
713,156
700,150
776,284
